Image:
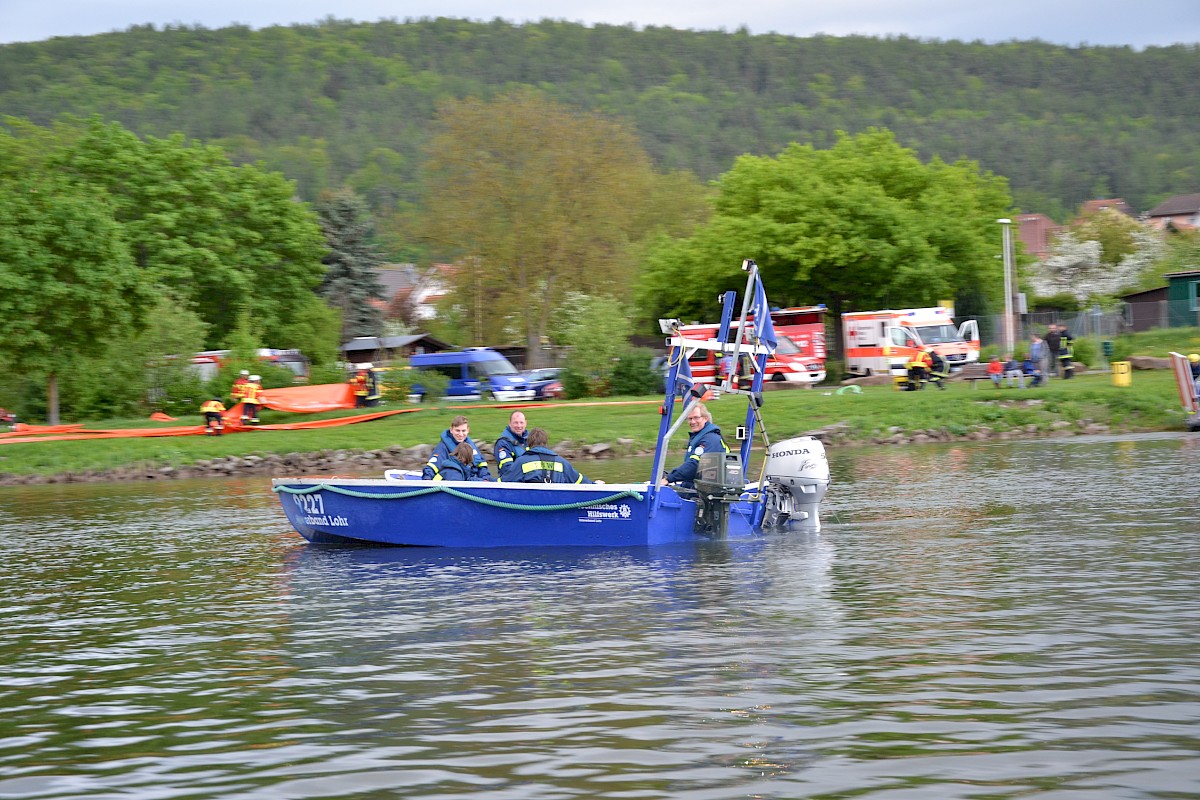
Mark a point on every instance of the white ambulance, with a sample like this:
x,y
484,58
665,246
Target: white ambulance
x,y
873,340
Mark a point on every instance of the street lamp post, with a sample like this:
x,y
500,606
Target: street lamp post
x,y
1009,330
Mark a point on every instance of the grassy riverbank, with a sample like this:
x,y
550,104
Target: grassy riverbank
x,y
877,414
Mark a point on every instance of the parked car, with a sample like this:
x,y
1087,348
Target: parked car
x,y
546,383
474,372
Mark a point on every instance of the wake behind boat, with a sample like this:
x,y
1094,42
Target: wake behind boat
x,y
404,510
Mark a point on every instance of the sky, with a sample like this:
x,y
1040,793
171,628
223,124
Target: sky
x,y
1068,22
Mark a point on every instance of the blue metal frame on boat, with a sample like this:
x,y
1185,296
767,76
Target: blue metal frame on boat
x,y
419,513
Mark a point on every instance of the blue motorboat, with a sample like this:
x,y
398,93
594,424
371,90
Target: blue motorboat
x,y
401,509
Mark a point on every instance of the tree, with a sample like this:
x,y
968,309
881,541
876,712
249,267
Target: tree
x,y
862,225
1115,232
68,285
351,282
534,199
1077,268
226,238
597,331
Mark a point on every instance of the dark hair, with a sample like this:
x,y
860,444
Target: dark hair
x,y
464,453
537,438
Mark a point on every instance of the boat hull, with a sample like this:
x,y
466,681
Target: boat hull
x,y
461,514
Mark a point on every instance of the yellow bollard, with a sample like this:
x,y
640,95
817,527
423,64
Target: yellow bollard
x,y
1121,373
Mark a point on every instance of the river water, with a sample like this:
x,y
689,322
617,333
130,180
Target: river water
x,y
1006,620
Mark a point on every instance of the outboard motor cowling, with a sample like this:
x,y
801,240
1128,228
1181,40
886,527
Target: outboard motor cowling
x,y
795,482
719,483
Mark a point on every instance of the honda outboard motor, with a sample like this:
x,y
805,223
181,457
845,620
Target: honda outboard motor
x,y
719,483
795,481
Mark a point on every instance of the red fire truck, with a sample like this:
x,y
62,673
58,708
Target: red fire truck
x,y
804,326
788,364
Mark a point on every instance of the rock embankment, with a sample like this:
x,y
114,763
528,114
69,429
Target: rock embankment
x,y
358,463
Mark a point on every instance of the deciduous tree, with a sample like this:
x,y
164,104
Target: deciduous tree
x,y
68,285
862,225
535,199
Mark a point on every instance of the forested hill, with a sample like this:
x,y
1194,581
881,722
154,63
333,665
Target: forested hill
x,y
351,103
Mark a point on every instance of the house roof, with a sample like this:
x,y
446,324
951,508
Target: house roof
x,y
396,277
1115,203
363,344
1179,204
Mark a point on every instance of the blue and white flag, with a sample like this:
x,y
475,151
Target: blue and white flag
x,y
763,327
684,382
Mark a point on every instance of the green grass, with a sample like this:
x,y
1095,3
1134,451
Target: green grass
x,y
1151,403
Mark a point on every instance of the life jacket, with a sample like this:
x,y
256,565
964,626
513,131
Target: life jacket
x,y
508,448
707,439
920,359
442,455
543,465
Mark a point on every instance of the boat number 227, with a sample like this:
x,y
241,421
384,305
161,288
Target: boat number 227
x,y
310,503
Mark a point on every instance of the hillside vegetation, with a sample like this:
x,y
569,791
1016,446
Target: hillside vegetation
x,y
341,103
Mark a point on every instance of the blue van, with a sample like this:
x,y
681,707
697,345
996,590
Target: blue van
x,y
476,372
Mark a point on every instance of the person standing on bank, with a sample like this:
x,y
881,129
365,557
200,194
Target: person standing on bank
x,y
358,385
251,400
458,433
1053,345
510,446
540,464
1039,354
238,389
705,437
1066,353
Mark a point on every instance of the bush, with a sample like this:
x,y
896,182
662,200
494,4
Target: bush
x,y
1083,351
575,385
1122,348
401,382
633,375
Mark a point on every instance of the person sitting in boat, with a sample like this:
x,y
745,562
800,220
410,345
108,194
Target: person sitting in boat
x,y
510,446
212,410
705,437
459,466
458,433
540,464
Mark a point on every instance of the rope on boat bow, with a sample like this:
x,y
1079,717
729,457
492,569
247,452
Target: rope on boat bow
x,y
461,494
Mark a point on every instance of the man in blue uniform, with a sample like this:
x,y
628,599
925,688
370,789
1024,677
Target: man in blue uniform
x,y
705,438
510,446
540,464
458,432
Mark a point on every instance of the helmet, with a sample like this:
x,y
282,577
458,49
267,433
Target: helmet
x,y
1193,357
255,378
245,372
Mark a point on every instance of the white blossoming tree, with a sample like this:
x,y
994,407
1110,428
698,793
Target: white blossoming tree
x,y
1075,267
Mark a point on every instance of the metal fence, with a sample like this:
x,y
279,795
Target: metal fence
x,y
1133,317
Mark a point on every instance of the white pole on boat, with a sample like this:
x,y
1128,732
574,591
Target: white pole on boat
x,y
751,266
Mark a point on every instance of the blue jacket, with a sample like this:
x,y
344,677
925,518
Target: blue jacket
x,y
441,458
451,469
508,448
543,465
707,439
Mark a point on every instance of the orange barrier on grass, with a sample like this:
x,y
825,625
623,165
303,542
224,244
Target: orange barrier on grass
x,y
310,399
